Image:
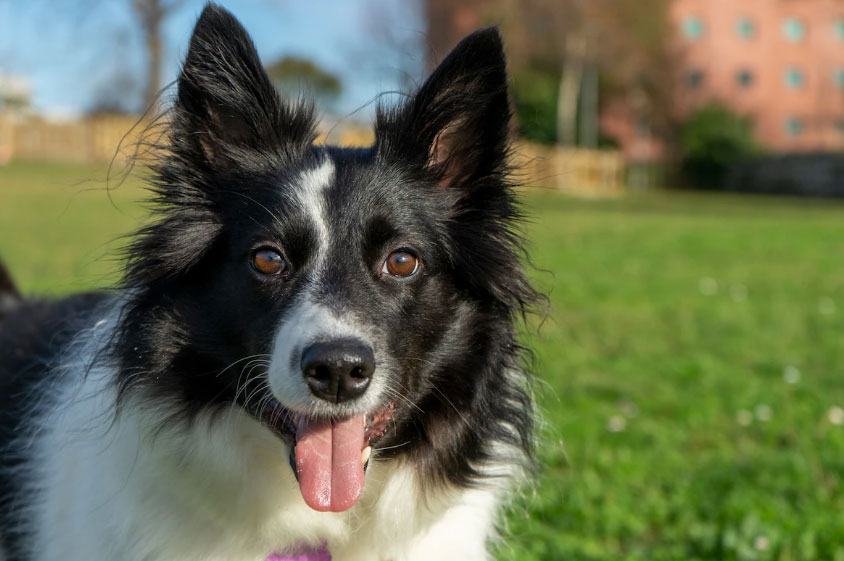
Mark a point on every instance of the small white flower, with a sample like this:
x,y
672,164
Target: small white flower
x,y
708,286
744,417
763,413
791,374
835,415
738,292
616,423
826,306
628,408
761,543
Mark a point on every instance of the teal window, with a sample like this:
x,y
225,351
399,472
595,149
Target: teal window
x,y
793,30
839,29
694,78
794,126
744,78
693,28
745,28
794,78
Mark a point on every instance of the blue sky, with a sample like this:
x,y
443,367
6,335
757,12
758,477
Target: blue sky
x,y
72,51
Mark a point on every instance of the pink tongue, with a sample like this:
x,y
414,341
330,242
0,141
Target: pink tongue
x,y
328,463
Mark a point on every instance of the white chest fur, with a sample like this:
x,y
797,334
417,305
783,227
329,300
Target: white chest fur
x,y
219,490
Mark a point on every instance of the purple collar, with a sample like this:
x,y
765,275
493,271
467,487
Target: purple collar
x,y
320,554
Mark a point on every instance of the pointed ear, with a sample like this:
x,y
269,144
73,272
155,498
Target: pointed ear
x,y
457,124
226,104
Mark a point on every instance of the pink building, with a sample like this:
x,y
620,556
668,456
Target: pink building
x,y
778,62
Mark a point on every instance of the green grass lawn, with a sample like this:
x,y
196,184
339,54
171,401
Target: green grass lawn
x,y
691,364
60,224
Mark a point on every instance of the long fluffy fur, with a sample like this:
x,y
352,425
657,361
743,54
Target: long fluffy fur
x,y
135,428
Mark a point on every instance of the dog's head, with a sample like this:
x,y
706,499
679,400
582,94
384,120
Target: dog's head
x,y
344,297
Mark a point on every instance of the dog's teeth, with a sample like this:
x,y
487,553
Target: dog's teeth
x,y
365,454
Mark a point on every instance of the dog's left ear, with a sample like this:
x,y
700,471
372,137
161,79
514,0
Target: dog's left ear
x,y
457,124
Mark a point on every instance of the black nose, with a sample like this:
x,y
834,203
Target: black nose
x,y
338,370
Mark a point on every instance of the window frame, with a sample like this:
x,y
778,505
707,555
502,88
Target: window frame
x,y
747,33
693,28
794,78
793,24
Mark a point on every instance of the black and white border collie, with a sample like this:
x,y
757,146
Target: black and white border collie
x,y
313,349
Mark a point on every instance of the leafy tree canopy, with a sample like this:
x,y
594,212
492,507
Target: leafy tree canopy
x,y
712,140
291,75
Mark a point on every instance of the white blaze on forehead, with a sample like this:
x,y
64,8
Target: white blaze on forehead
x,y
310,192
308,321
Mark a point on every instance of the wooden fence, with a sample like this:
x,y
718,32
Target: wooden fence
x,y
99,139
102,138
90,140
578,171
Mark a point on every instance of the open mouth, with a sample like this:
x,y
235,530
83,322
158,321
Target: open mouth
x,y
328,456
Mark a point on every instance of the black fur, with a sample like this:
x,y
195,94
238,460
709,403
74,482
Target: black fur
x,y
436,181
195,312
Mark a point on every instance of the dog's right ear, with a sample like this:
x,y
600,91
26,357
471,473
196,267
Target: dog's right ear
x,y
456,125
227,110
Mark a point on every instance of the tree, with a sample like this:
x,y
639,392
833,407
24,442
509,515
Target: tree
x,y
592,50
547,52
74,21
636,59
712,140
534,93
151,15
291,74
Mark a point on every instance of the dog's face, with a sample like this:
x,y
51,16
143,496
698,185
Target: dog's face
x,y
346,298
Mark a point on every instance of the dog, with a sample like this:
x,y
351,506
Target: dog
x,y
313,353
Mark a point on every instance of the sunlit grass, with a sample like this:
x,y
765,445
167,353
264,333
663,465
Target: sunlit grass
x,y
693,364
60,224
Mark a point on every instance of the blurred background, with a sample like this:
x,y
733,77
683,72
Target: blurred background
x,y
683,163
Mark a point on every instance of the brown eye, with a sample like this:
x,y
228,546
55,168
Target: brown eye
x,y
400,264
267,262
